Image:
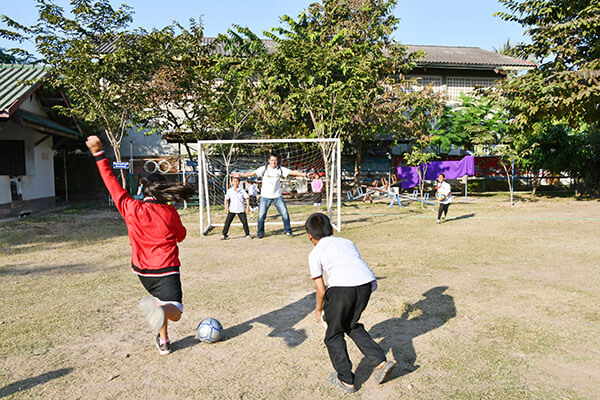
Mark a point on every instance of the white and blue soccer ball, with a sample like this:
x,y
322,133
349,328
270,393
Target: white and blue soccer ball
x,y
210,330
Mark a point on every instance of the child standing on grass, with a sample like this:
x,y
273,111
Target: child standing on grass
x,y
234,205
443,192
252,190
154,229
350,285
317,187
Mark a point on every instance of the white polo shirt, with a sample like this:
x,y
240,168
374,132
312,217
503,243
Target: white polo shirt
x,y
339,258
271,180
445,188
236,199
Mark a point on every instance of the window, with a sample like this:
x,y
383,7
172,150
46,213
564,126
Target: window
x,y
423,81
12,157
458,85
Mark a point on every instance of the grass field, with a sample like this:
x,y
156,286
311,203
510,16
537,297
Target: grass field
x,y
498,302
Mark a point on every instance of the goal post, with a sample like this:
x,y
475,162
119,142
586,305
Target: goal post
x,y
217,159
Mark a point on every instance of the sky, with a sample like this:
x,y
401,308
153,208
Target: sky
x,y
433,22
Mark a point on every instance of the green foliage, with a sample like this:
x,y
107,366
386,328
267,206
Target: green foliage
x,y
565,40
105,88
476,121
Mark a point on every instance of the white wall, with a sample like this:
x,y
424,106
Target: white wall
x,y
40,184
39,163
5,196
147,145
33,105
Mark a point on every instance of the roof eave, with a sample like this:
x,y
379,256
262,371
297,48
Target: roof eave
x,y
474,66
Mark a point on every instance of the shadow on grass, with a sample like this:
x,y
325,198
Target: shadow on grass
x,y
398,333
30,234
19,270
465,216
282,322
28,383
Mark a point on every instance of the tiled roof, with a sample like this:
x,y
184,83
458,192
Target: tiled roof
x,y
16,81
440,56
459,56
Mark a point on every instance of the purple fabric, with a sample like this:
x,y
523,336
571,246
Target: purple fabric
x,y
451,169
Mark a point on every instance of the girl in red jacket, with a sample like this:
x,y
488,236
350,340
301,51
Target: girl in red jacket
x,y
154,229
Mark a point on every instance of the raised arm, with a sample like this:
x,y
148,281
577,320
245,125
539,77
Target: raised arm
x,y
303,174
244,174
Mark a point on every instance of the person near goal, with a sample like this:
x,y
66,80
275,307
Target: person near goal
x,y
270,192
154,229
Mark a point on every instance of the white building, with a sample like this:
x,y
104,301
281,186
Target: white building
x,y
29,138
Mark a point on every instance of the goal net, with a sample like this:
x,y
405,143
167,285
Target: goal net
x,y
218,159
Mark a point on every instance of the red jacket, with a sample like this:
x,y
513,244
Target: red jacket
x,y
154,228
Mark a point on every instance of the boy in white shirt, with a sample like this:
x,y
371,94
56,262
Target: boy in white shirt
x,y
443,192
341,304
234,205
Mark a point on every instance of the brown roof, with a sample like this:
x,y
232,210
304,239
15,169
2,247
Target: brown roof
x,y
462,56
435,56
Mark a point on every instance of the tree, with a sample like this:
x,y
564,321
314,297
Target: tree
x,y
483,123
477,120
100,65
202,92
426,107
565,40
333,73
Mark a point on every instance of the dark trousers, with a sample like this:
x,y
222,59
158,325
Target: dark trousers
x,y
343,307
443,209
229,219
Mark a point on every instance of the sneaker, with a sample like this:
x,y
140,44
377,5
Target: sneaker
x,y
155,315
289,234
384,372
438,221
248,237
164,348
223,237
260,236
335,381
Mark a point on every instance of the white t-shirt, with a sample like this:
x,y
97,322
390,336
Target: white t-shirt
x,y
236,199
271,180
340,259
445,188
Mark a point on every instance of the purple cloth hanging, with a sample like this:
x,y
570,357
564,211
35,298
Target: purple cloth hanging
x,y
451,169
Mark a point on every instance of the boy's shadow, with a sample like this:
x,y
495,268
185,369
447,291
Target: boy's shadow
x,y
281,321
398,333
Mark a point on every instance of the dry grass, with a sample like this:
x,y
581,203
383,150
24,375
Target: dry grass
x,y
496,303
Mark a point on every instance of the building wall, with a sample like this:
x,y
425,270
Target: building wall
x,y
33,105
146,145
5,196
39,165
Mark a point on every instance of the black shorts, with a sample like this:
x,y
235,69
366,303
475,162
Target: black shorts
x,y
316,197
164,288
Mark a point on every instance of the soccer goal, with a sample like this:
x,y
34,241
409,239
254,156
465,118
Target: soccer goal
x,y
217,159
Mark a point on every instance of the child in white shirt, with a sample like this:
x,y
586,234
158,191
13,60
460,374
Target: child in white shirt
x,y
234,205
350,285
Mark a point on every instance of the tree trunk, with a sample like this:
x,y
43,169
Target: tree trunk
x,y
422,172
117,150
358,161
535,183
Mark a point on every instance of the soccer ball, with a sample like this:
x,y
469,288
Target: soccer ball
x,y
441,196
209,330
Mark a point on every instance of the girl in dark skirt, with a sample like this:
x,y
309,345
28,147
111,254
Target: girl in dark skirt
x,y
154,229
